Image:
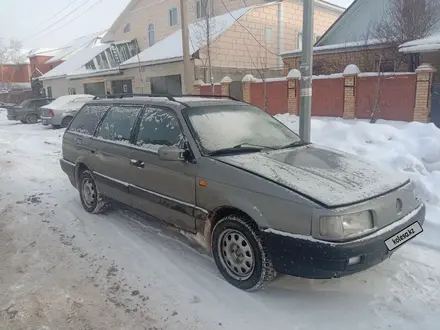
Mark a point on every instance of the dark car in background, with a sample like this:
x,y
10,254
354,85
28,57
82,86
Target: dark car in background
x,y
28,112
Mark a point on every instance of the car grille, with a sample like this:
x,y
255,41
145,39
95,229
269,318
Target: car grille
x,y
45,112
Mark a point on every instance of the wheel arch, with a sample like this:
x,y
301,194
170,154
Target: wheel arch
x,y
253,215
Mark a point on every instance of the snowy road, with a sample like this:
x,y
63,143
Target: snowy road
x,y
62,268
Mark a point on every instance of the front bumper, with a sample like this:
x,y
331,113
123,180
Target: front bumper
x,y
12,117
306,257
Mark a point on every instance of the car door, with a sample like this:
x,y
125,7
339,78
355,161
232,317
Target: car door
x,y
111,163
165,189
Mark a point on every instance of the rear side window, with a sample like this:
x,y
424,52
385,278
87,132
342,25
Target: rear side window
x,y
119,123
158,128
88,119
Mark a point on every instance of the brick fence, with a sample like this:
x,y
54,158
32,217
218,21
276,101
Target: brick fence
x,y
351,94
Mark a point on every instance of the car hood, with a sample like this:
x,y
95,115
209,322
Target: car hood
x,y
327,176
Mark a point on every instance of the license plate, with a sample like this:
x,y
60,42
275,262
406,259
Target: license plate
x,y
45,122
404,236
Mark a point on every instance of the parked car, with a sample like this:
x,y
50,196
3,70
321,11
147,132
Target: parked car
x,y
28,112
60,112
261,199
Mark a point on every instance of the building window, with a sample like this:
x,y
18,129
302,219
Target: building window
x,y
49,91
203,8
151,35
386,65
172,17
268,35
127,28
299,41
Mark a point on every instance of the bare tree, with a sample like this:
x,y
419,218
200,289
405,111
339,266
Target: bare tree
x,y
203,33
407,20
11,54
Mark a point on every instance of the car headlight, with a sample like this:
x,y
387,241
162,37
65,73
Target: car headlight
x,y
346,225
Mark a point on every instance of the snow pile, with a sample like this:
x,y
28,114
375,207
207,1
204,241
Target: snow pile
x,y
412,148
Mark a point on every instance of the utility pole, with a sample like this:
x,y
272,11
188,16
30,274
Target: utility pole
x,y
306,71
187,72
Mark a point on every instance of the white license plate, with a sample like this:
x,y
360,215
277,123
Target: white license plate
x,y
403,236
45,122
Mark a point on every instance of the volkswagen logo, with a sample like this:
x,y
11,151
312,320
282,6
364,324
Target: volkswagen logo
x,y
399,206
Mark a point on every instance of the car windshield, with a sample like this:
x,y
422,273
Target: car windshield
x,y
238,126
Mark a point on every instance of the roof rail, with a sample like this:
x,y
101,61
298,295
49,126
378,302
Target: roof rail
x,y
168,96
208,96
122,95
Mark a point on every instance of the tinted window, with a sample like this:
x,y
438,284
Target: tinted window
x,y
158,128
119,123
88,119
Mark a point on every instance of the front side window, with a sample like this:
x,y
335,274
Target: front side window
x,y
88,119
228,126
158,128
119,123
172,16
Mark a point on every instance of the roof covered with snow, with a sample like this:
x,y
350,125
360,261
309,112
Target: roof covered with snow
x,y
75,63
342,46
67,51
43,52
428,44
170,48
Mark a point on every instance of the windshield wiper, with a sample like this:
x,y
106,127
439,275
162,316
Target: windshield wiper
x,y
294,144
236,149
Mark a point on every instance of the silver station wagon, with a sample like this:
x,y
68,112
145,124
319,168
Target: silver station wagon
x,y
243,184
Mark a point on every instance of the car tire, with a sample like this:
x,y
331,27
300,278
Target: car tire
x,y
239,253
31,119
91,200
65,122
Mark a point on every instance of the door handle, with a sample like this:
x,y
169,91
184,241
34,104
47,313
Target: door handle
x,y
137,163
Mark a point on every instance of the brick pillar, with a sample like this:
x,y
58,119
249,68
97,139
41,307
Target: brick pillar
x,y
225,83
350,75
196,86
247,81
293,78
423,93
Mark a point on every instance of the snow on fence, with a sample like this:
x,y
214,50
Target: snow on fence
x,y
390,96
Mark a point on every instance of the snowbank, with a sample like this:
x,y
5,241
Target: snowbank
x,y
413,148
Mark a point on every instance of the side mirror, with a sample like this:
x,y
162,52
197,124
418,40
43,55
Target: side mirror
x,y
172,153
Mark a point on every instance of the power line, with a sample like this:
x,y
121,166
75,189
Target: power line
x,y
59,20
74,18
247,30
60,11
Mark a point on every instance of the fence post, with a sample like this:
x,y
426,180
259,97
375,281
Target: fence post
x,y
247,81
225,83
423,93
350,76
196,86
293,78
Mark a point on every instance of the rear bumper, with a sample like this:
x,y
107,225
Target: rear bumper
x,y
69,169
46,121
309,258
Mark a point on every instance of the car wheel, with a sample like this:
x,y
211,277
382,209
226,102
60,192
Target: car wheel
x,y
65,122
91,200
31,119
239,253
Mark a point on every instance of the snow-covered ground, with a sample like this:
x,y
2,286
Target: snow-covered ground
x,y
62,268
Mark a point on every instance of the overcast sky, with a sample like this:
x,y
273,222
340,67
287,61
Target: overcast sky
x,y
31,21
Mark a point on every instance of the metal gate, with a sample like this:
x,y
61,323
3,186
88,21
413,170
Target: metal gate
x,y
235,90
435,104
